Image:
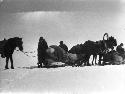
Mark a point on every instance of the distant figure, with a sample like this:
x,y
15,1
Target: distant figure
x,y
63,46
120,49
42,46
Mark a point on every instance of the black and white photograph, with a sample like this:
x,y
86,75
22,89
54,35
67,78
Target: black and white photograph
x,y
62,46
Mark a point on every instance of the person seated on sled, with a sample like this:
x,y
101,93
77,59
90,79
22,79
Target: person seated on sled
x,y
63,46
120,49
42,46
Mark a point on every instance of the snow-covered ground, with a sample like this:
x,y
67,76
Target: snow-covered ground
x,y
27,78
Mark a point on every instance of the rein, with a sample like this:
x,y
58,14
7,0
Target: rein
x,y
27,53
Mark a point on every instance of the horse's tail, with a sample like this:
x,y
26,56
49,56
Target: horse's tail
x,y
2,44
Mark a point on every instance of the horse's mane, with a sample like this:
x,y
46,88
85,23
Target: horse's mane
x,y
112,39
14,38
76,49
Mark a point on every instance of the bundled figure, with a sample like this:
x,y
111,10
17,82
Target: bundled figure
x,y
42,46
63,46
120,49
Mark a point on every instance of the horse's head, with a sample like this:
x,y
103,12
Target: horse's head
x,y
19,43
112,42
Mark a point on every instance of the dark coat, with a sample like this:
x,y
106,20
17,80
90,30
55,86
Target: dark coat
x,y
42,46
63,46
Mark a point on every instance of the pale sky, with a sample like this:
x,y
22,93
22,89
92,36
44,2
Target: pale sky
x,y
73,21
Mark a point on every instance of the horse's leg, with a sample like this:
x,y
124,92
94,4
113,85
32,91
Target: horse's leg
x,y
80,63
87,63
6,66
11,60
93,59
87,57
100,58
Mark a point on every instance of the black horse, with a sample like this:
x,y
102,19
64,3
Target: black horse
x,y
78,49
9,48
99,47
95,48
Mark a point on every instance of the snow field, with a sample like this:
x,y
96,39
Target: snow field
x,y
64,80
